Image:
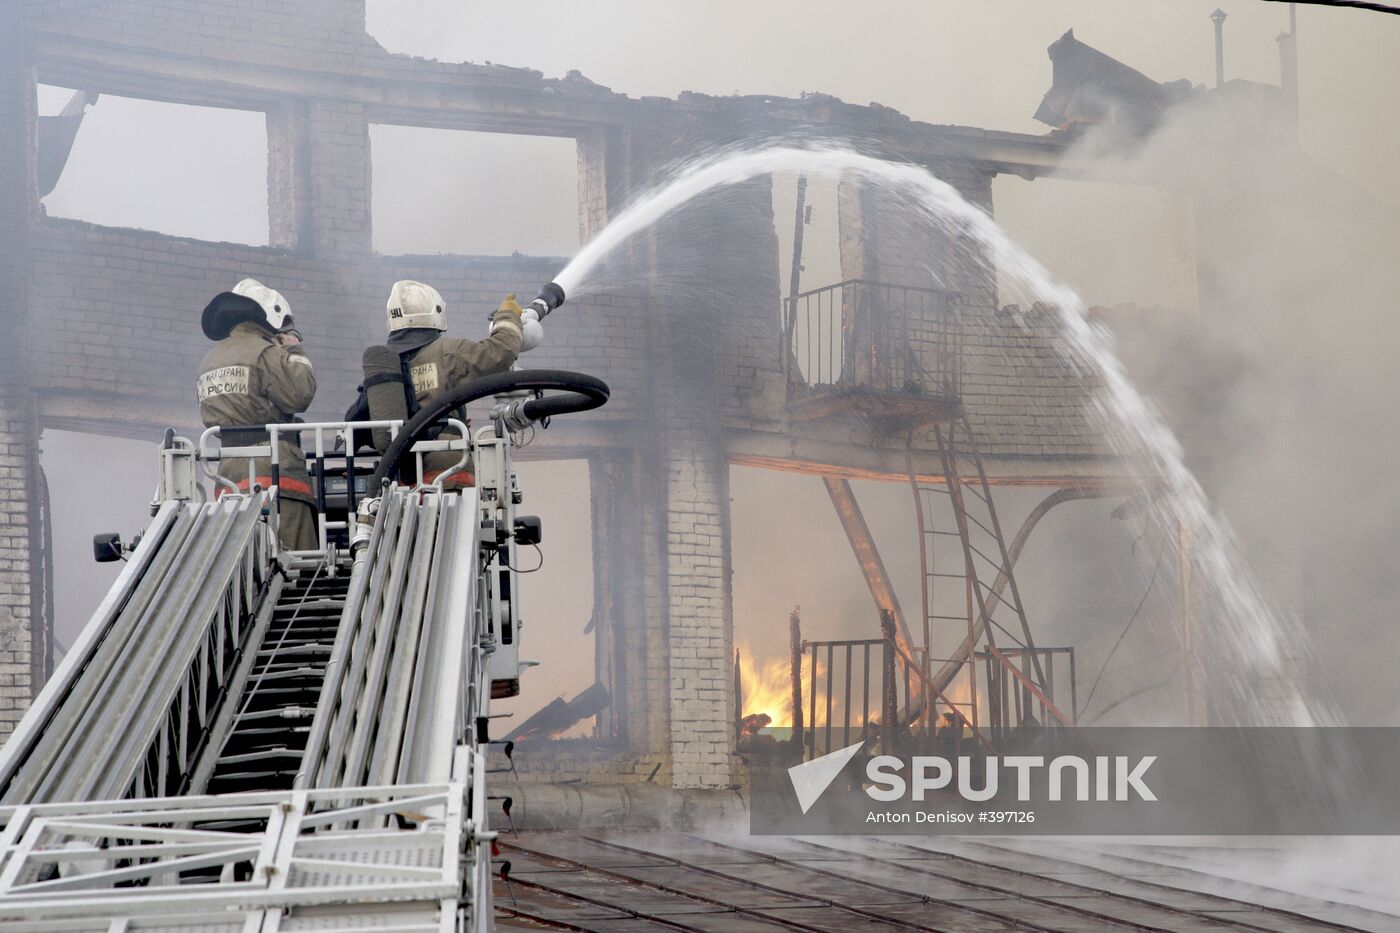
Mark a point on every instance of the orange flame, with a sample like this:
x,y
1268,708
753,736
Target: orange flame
x,y
960,693
767,687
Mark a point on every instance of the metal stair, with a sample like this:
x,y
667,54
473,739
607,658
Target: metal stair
x,y
968,578
268,736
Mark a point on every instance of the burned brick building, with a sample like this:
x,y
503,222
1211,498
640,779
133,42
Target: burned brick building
x,y
693,392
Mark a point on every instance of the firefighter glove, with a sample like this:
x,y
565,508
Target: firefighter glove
x,y
507,315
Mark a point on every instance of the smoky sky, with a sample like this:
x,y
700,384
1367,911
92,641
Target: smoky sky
x,y
139,163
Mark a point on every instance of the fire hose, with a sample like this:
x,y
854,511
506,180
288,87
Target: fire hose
x,y
579,392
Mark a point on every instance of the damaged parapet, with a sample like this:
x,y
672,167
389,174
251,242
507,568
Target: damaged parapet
x,y
1090,87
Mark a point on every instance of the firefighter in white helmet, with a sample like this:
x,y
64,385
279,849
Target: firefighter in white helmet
x,y
421,362
258,374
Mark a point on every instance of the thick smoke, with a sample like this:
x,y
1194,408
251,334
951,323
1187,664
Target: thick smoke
x,y
1282,387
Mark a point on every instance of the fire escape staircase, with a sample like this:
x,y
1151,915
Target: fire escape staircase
x,y
890,356
969,580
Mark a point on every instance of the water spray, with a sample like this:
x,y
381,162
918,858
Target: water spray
x,y
1249,635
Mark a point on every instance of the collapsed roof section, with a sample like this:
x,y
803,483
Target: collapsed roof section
x,y
1090,87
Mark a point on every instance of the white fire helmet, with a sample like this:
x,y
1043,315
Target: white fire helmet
x,y
250,301
413,304
274,306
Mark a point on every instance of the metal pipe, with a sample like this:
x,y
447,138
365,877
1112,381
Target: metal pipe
x,y
1218,18
51,704
56,740
155,684
795,650
434,691
115,711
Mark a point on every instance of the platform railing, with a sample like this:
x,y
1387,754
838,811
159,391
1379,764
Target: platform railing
x,y
871,690
860,333
371,857
328,439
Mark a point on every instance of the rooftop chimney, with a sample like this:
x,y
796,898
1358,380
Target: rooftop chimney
x,y
1218,18
1288,58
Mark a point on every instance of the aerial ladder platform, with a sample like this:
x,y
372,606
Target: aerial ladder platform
x,y
250,739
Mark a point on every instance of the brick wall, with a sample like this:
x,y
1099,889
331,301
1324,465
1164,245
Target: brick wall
x,y
22,633
122,312
269,43
324,34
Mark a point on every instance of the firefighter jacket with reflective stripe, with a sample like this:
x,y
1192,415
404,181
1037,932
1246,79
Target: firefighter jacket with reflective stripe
x,y
249,380
446,363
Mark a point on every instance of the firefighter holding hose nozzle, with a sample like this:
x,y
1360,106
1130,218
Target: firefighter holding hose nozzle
x,y
256,374
421,362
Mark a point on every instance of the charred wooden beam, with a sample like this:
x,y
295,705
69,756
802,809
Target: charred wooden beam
x,y
559,715
868,556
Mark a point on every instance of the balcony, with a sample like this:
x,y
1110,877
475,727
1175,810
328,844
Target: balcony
x,y
888,353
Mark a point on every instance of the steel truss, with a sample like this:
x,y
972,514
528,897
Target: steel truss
x,y
383,858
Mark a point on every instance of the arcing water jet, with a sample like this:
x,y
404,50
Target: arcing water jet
x,y
1255,644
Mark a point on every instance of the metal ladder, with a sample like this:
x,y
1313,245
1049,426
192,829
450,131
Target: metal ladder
x,y
268,737
967,572
251,738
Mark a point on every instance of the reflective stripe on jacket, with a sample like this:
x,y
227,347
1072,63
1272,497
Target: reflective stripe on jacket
x,y
442,365
248,380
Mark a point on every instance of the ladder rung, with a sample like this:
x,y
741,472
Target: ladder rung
x,y
310,647
309,604
279,752
265,737
272,672
990,561
237,777
1004,601
974,521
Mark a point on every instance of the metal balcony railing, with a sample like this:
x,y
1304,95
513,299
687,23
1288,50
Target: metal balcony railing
x,y
873,690
862,334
